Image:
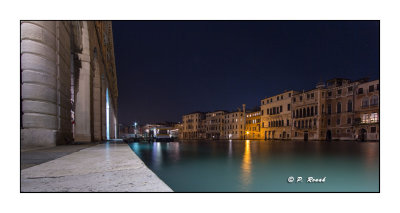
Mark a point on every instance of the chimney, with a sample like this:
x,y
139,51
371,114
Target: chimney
x,y
244,107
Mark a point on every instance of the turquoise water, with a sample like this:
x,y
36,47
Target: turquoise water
x,y
263,166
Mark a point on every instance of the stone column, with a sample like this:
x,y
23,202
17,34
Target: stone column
x,y
112,119
96,102
63,40
39,83
82,106
103,108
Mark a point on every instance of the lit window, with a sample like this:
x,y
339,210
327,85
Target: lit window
x,y
365,118
374,117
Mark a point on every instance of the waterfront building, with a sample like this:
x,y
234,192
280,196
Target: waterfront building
x,y
192,125
253,124
340,108
68,82
215,124
366,111
203,129
176,130
276,116
234,124
308,114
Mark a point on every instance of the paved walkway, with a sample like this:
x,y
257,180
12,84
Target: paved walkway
x,y
100,168
35,156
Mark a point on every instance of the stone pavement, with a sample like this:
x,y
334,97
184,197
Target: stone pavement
x,y
101,168
33,157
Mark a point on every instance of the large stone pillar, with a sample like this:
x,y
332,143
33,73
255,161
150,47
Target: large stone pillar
x,y
39,83
112,119
103,108
96,101
63,40
82,105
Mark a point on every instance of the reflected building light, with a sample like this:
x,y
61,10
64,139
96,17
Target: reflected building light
x,y
157,154
230,149
246,165
136,148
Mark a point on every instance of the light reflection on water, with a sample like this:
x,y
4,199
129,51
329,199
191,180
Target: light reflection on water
x,y
246,165
234,165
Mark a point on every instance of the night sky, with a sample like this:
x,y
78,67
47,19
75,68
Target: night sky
x,y
169,68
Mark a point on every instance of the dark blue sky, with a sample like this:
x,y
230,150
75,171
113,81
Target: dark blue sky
x,y
169,68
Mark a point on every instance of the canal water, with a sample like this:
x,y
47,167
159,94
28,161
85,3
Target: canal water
x,y
263,166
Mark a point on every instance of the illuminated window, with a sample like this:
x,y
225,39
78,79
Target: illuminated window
x,y
374,117
365,118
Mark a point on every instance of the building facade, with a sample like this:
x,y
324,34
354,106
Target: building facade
x,y
341,109
253,125
192,125
308,114
234,124
68,82
215,124
366,111
276,116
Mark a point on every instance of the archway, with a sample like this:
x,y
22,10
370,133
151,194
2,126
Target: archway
x,y
305,136
328,135
363,135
